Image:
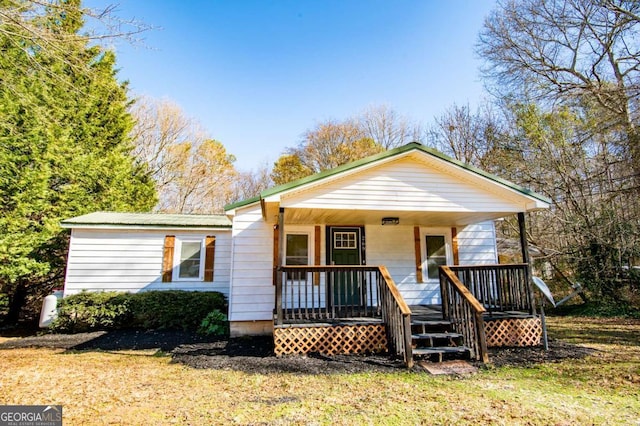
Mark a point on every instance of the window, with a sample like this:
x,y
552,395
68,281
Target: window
x,y
297,249
344,240
190,260
436,254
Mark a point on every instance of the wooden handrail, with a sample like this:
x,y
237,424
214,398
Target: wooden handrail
x,y
397,317
402,304
464,311
460,288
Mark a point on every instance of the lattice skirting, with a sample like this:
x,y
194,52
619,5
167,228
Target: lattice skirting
x,y
513,331
330,340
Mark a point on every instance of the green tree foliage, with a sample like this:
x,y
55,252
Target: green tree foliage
x,y
63,143
288,168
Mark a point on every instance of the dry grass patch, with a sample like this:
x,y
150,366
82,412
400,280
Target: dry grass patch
x,y
144,387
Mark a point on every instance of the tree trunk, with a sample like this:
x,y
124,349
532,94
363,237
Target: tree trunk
x,y
16,303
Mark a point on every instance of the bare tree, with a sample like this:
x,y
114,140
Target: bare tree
x,y
250,183
577,62
388,128
566,51
159,126
465,136
193,173
203,177
31,25
333,143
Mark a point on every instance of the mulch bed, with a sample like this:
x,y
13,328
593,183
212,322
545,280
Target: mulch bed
x,y
255,354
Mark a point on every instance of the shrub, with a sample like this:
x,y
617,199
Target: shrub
x,y
92,311
173,309
214,324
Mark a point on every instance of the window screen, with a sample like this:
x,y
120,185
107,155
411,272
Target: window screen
x,y
436,255
189,259
297,249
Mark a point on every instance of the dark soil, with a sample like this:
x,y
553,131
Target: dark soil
x,y
255,354
164,340
523,357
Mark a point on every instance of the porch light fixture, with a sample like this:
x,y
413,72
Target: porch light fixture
x,y
390,221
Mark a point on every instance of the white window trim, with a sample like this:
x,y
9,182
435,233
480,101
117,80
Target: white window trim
x,y
424,232
355,240
177,255
310,244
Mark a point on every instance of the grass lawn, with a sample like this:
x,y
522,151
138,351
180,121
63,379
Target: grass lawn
x,y
144,387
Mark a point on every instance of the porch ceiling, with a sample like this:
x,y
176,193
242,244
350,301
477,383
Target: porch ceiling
x,y
298,216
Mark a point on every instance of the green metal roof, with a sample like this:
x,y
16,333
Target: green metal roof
x,y
382,156
148,220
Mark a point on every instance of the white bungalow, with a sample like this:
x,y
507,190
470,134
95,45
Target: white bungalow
x,y
343,252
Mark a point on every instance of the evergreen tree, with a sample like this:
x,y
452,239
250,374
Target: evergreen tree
x,y
63,145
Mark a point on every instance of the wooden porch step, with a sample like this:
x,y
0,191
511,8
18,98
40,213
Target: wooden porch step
x,y
440,351
446,335
433,323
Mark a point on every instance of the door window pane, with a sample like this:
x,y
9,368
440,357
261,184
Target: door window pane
x,y
344,240
436,255
189,259
297,249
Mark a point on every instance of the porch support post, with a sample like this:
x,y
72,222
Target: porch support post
x,y
279,266
524,246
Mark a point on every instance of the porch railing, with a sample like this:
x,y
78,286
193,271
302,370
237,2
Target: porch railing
x,y
464,312
311,293
498,288
397,318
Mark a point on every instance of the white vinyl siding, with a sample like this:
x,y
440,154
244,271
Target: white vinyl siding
x,y
393,247
477,244
252,290
406,185
131,260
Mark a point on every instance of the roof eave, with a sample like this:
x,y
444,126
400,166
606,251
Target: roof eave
x,y
230,208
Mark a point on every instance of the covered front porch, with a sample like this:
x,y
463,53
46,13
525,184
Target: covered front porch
x,y
358,309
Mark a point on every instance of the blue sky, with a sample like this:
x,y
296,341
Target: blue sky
x,y
258,74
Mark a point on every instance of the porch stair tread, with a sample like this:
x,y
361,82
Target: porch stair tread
x,y
430,322
437,350
445,335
